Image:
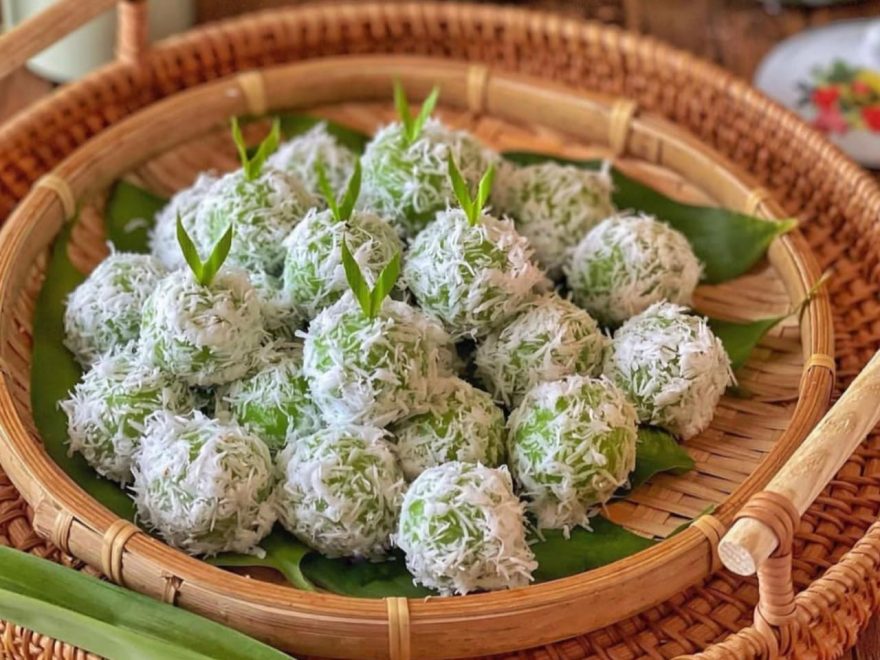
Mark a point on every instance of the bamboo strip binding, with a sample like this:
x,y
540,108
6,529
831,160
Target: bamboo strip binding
x,y
398,629
112,547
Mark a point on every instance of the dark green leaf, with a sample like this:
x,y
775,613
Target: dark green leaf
x,y
55,372
402,106
130,214
727,242
740,339
267,148
327,190
218,255
559,557
111,621
189,250
425,112
658,451
293,125
352,192
384,284
283,553
356,281
460,188
485,189
363,579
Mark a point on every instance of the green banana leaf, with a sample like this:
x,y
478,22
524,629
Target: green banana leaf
x,y
283,553
658,451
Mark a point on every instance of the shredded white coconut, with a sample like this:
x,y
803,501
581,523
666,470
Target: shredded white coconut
x,y
463,530
203,485
551,339
409,183
571,444
671,366
107,409
103,313
163,237
301,155
554,206
341,491
471,277
629,262
203,335
373,371
461,424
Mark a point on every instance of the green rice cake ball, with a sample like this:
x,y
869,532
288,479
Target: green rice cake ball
x,y
373,371
103,313
627,263
203,335
314,277
107,409
554,206
571,444
463,529
461,424
409,183
672,367
551,339
163,236
203,485
341,491
301,155
274,403
471,277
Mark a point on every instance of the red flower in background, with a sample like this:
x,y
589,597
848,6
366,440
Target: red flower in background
x,y
871,117
825,97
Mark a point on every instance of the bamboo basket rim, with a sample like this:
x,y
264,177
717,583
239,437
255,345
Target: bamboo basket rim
x,y
473,86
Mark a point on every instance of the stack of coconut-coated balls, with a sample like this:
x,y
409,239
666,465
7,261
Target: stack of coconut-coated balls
x,y
444,412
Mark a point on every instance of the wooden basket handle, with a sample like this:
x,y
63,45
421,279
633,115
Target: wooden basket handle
x,y
63,17
750,541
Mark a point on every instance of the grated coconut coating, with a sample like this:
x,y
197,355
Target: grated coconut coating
x,y
341,491
103,313
107,409
554,206
463,530
163,236
373,371
274,403
551,339
409,183
571,444
301,154
471,277
203,485
314,277
672,367
203,335
461,424
629,262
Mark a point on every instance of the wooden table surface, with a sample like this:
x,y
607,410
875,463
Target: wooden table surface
x,y
750,33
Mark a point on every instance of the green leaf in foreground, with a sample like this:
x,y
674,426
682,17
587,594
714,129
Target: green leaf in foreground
x,y
111,621
204,271
658,451
412,126
727,242
54,372
363,579
130,215
283,553
370,300
293,125
559,557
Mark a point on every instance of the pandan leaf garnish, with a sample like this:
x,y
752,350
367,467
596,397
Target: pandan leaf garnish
x,y
253,166
204,272
472,207
341,209
412,126
370,300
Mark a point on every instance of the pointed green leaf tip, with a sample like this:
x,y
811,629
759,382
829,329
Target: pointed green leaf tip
x,y
412,126
204,272
370,300
472,207
253,166
341,209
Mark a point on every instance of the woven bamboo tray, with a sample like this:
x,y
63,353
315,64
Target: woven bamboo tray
x,y
491,103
